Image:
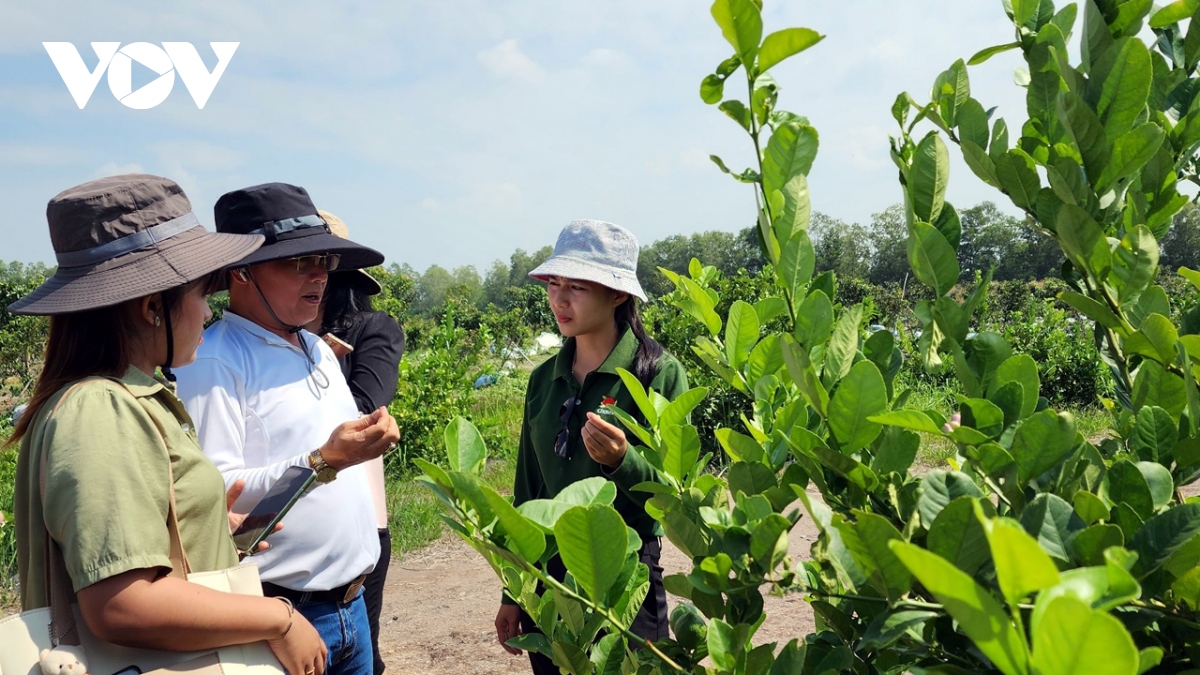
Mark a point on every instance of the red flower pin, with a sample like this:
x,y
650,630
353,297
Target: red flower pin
x,y
605,409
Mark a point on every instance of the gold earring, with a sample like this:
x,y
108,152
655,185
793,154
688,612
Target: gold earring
x,y
157,322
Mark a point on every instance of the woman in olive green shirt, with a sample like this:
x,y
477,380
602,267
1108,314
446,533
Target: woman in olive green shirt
x,y
103,436
592,288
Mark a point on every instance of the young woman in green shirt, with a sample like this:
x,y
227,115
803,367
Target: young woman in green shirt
x,y
103,436
592,289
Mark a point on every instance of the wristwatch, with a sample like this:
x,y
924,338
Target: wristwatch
x,y
325,473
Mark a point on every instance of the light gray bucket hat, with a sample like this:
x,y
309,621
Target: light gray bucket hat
x,y
596,251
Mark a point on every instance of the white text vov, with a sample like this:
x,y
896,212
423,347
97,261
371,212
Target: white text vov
x,y
172,57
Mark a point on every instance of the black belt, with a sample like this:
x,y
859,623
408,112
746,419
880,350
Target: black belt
x,y
342,595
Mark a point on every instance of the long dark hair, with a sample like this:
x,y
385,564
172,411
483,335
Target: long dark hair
x,y
345,302
93,342
645,362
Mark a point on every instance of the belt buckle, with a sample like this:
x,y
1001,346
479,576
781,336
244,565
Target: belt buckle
x,y
353,588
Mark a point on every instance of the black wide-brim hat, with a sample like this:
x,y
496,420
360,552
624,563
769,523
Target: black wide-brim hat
x,y
286,216
125,237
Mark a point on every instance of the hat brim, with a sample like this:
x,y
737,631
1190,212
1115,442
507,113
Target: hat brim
x,y
172,262
354,256
574,268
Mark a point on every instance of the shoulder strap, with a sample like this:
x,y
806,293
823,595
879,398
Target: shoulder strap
x,y
58,583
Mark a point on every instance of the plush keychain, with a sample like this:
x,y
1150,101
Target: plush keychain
x,y
62,660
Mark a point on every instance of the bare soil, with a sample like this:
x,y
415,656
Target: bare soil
x,y
440,603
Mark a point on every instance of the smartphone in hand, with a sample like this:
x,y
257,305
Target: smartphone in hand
x,y
340,347
271,509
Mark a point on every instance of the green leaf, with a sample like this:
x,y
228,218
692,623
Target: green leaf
x,y
526,538
976,611
634,386
907,419
980,163
1042,441
739,447
765,359
1053,522
849,468
843,346
741,24
769,542
932,258
1092,309
784,44
571,658
1086,131
1135,264
868,540
1158,479
788,159
928,177
1130,152
814,319
722,646
676,412
800,369
796,264
741,333
591,541
1023,10
1022,567
1152,385
1124,76
1158,539
985,54
958,536
1173,13
712,89
594,490
1022,369
1127,484
769,308
736,111
938,488
1090,507
860,395
1018,178
1089,545
750,478
682,450
1074,639
464,447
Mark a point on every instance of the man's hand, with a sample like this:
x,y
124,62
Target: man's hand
x,y
360,440
508,626
604,442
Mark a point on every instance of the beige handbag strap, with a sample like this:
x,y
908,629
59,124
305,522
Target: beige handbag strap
x,y
58,583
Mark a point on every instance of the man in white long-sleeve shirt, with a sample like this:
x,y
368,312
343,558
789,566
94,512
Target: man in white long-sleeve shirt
x,y
267,395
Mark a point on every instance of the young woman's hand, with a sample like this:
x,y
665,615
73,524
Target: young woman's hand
x,y
508,626
301,651
604,442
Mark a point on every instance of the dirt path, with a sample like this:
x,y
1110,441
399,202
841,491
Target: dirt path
x,y
440,602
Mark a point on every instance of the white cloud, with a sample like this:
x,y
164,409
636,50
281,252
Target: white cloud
x,y
499,199
695,158
890,49
507,60
602,57
42,154
431,205
114,169
199,154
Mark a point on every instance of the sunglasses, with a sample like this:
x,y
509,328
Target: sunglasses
x,y
564,416
307,264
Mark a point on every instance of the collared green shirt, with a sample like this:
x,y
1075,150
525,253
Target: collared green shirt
x,y
541,474
106,449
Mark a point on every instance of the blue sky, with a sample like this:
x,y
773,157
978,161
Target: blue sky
x,y
452,132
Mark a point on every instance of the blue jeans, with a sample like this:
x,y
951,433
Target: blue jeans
x,y
346,632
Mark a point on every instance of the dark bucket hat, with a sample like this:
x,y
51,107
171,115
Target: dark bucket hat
x,y
285,215
125,237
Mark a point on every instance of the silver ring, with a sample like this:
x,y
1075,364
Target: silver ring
x,y
390,447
